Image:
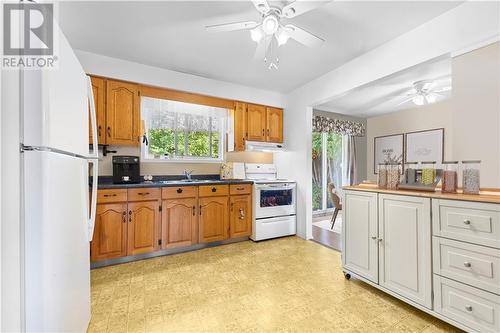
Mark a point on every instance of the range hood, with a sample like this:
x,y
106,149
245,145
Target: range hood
x,y
264,146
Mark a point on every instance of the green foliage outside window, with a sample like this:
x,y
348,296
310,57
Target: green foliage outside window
x,y
162,142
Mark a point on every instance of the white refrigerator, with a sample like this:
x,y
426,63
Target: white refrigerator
x,y
58,220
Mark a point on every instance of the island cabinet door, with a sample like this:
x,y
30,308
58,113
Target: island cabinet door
x,y
240,216
360,234
143,227
405,247
214,219
110,232
179,223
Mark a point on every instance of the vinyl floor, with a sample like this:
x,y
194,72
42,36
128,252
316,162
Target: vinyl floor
x,y
282,285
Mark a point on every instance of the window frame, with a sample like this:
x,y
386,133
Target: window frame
x,y
148,157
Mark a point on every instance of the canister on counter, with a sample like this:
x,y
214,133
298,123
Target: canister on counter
x,y
449,182
428,173
471,176
393,175
382,175
411,172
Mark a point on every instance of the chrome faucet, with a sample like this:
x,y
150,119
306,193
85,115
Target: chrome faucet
x,y
188,173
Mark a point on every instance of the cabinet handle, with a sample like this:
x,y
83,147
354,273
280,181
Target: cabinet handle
x,y
374,238
124,217
379,240
143,193
179,190
242,214
130,216
214,189
232,206
194,210
200,209
467,264
466,222
240,188
110,195
268,132
99,128
263,132
468,308
109,131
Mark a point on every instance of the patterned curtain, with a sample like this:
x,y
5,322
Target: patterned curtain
x,y
338,126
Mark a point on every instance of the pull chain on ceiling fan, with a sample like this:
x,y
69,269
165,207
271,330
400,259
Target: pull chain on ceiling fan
x,y
271,32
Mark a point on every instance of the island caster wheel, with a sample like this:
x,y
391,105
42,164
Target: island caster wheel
x,y
347,276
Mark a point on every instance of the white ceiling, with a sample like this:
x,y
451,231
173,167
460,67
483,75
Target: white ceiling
x,y
390,94
172,35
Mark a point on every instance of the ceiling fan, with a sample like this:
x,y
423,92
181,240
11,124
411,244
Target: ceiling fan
x,y
425,92
271,32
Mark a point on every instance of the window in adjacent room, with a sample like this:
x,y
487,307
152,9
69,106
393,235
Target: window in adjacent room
x,y
178,131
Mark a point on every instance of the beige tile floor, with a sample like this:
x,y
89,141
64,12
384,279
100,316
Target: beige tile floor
x,y
283,285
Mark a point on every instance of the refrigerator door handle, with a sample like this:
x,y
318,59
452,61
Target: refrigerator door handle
x,y
93,119
93,203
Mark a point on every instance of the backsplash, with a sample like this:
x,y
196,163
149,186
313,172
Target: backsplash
x,y
176,168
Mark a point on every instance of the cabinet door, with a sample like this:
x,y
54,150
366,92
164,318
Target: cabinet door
x,y
240,126
256,122
122,113
405,247
214,222
110,232
179,223
360,234
274,132
240,216
143,227
99,91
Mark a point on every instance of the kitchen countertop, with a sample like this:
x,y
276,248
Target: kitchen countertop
x,y
106,182
486,195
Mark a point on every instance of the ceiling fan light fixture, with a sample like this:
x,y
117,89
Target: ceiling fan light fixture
x,y
430,98
256,34
270,24
282,36
418,100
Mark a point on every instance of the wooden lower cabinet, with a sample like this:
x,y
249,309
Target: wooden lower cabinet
x,y
179,223
110,233
240,216
143,227
214,219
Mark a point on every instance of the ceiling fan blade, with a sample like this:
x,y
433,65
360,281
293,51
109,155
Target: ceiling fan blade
x,y
261,5
247,25
302,36
297,7
260,51
406,100
443,89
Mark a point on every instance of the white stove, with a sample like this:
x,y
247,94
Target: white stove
x,y
274,202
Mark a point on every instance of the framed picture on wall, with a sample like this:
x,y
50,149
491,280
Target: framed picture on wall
x,y
388,149
423,146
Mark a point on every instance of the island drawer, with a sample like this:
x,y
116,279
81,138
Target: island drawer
x,y
178,192
213,190
140,194
478,266
472,222
236,189
111,195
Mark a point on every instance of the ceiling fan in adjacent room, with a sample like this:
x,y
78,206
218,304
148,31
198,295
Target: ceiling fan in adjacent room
x,y
273,31
426,92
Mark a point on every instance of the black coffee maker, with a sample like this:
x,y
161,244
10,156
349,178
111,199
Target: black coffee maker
x,y
126,169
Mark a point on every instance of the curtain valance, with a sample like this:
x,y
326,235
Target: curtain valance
x,y
338,126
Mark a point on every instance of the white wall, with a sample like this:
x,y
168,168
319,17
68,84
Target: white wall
x,y
466,26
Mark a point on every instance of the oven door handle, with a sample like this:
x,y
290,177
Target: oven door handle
x,y
276,187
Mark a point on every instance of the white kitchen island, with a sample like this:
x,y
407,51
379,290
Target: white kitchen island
x,y
438,252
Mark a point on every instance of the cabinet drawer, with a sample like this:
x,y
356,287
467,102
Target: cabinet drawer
x,y
477,309
473,222
179,192
112,195
139,194
213,190
240,189
475,265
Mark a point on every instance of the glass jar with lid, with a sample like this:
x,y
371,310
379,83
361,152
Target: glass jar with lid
x,y
382,175
410,172
471,176
393,175
449,181
428,173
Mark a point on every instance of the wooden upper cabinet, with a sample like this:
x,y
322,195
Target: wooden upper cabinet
x,y
99,91
213,223
110,232
240,126
122,113
143,227
274,131
256,122
179,226
240,216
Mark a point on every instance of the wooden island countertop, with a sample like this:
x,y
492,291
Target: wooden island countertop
x,y
486,195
